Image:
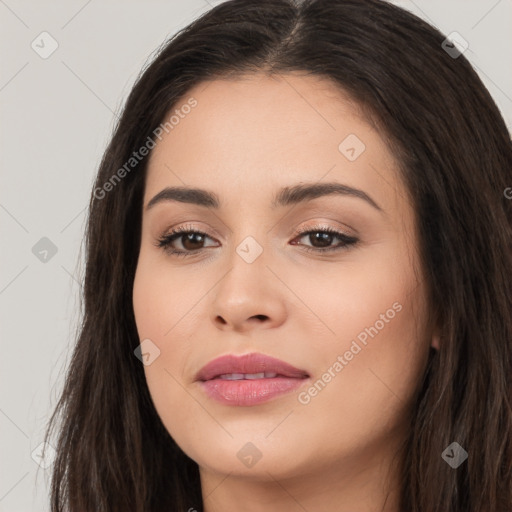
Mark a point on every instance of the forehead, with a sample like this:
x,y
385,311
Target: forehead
x,y
257,132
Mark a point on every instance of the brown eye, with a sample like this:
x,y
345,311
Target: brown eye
x,y
182,242
191,241
321,240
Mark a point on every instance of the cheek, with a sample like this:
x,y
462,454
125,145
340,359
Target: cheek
x,y
164,302
173,406
354,300
162,319
370,354
162,316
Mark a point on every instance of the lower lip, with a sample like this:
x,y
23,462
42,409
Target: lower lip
x,y
248,392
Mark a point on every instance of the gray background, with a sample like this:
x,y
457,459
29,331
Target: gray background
x,y
57,115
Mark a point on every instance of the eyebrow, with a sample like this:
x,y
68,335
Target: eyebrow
x,y
285,197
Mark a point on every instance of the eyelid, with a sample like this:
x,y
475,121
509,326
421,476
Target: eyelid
x,y
318,226
323,226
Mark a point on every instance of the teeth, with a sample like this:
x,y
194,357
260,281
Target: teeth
x,y
232,376
249,376
254,376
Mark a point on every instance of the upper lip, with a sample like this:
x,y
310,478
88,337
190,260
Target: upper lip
x,y
248,363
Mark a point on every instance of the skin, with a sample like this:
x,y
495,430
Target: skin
x,y
246,139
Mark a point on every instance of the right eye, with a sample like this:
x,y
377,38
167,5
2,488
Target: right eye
x,y
189,239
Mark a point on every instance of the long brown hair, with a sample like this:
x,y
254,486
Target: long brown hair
x,y
455,154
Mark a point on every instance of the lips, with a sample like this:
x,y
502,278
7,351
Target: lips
x,y
249,379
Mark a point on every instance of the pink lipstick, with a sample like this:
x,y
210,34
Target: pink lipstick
x,y
248,380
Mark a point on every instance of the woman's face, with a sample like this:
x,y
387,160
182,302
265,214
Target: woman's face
x,y
275,154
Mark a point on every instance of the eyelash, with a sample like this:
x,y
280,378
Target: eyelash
x,y
165,241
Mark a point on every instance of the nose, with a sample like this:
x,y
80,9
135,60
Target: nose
x,y
248,297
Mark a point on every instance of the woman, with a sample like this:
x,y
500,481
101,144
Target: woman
x,y
298,282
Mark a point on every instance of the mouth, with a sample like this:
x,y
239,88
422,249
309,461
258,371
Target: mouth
x,y
249,380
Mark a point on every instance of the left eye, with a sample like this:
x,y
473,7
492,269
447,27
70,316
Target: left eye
x,y
321,240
